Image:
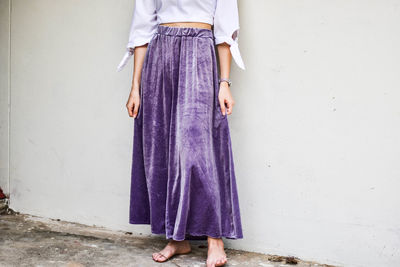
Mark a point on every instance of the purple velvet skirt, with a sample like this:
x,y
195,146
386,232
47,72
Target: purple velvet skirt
x,y
183,180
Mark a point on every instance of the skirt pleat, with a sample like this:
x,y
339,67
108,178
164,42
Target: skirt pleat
x,y
183,180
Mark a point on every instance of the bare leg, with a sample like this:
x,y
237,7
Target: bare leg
x,y
172,248
216,252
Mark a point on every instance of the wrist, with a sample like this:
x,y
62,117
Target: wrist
x,y
135,85
224,86
225,80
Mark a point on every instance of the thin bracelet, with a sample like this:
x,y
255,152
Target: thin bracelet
x,y
225,80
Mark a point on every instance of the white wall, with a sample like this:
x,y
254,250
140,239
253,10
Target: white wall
x,y
4,92
315,130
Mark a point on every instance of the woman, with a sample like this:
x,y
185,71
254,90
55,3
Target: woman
x,y
183,181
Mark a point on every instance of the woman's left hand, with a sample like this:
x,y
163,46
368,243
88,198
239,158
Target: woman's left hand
x,y
225,98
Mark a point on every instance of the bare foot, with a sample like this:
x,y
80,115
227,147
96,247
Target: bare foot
x,y
172,248
216,252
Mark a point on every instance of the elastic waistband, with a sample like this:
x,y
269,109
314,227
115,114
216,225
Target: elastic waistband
x,y
184,31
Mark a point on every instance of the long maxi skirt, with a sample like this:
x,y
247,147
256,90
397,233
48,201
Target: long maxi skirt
x,y
183,180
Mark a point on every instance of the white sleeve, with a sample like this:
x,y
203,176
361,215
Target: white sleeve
x,y
143,27
226,27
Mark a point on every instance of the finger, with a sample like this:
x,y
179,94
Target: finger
x,y
230,107
222,105
135,110
129,108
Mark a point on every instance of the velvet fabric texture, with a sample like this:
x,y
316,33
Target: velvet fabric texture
x,y
183,180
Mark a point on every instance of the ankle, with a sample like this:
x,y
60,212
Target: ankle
x,y
215,241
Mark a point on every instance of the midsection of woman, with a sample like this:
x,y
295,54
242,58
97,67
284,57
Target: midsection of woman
x,y
223,15
201,25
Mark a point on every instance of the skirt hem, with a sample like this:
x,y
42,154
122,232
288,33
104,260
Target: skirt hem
x,y
180,238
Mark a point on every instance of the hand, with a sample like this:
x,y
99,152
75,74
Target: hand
x,y
133,101
225,97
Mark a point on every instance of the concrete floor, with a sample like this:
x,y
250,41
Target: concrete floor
x,y
33,241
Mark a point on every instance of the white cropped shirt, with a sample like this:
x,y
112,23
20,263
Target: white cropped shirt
x,y
222,14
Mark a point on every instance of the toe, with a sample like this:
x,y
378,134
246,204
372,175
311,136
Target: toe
x,y
159,257
154,256
162,258
220,262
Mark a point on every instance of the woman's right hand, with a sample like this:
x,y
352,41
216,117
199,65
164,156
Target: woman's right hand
x,y
134,97
133,101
